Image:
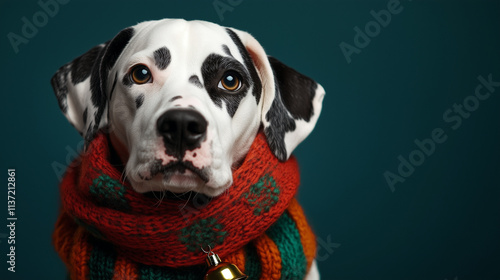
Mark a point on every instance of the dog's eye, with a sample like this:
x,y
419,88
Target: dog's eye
x,y
230,81
140,74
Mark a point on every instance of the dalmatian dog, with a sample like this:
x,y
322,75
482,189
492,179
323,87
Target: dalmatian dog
x,y
182,102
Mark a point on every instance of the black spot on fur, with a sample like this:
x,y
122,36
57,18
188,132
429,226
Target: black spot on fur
x,y
175,98
59,83
162,58
139,100
81,67
296,90
155,168
212,69
279,124
84,116
113,87
89,131
226,50
257,89
195,81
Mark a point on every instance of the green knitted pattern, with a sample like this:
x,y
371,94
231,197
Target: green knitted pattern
x,y
202,232
286,236
102,261
109,192
263,195
252,264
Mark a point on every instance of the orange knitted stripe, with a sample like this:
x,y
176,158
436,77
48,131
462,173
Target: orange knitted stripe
x,y
306,234
269,256
80,255
237,258
124,269
62,237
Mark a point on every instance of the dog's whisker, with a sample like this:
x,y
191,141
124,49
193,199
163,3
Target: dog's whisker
x,y
160,200
181,195
154,194
185,204
194,195
123,176
163,195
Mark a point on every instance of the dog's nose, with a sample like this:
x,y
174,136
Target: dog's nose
x,y
182,129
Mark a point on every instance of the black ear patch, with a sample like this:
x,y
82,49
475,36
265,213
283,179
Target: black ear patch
x,y
106,59
99,77
113,86
162,58
59,83
296,90
81,67
294,94
87,108
279,124
84,116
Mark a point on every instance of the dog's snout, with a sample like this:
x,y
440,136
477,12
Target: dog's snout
x,y
182,129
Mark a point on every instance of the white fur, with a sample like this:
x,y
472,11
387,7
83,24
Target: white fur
x,y
230,138
313,273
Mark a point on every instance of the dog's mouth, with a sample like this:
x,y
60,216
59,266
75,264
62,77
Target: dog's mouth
x,y
177,170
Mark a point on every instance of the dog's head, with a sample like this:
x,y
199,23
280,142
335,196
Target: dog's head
x,y
183,100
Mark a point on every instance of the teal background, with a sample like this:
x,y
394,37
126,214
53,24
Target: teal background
x,y
441,223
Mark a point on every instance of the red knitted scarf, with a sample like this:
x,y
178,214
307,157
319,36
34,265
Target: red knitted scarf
x,y
170,233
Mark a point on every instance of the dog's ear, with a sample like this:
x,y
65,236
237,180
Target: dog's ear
x,y
82,86
291,102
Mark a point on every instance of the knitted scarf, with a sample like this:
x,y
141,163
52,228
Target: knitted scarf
x,y
106,230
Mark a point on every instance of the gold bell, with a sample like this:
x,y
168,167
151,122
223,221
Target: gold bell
x,y
218,270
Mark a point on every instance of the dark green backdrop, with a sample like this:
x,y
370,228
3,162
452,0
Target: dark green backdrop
x,y
442,222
